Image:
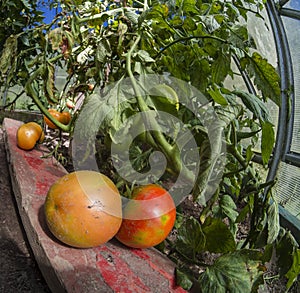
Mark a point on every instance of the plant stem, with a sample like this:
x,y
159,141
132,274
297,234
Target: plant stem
x,y
187,39
32,93
171,152
209,205
160,139
237,155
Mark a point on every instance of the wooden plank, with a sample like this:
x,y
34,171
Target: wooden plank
x,y
108,268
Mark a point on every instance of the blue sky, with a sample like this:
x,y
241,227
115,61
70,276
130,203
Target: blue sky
x,y
49,14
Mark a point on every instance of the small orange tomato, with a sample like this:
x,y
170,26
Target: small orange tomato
x,y
55,114
65,118
62,117
29,134
90,86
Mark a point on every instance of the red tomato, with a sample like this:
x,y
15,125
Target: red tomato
x,y
148,218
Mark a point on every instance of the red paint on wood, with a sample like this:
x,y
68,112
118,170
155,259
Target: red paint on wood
x,y
171,277
117,274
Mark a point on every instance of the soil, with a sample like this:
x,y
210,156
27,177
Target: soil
x,y
18,270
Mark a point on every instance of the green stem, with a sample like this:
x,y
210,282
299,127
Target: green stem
x,y
32,93
187,39
171,152
232,149
159,137
209,205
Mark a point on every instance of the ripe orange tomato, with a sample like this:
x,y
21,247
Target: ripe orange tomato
x,y
39,130
148,218
29,134
62,117
83,209
65,117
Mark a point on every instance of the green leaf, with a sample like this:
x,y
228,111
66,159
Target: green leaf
x,y
103,51
265,76
219,239
164,98
183,280
284,250
132,16
228,207
243,214
100,113
8,54
26,4
189,24
294,272
187,6
236,272
220,68
217,96
273,222
240,34
49,88
254,104
143,56
267,141
190,237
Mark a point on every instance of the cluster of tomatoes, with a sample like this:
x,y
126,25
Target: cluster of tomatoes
x,y
85,209
31,133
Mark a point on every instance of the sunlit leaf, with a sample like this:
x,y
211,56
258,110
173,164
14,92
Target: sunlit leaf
x,y
217,96
265,76
55,37
267,141
143,56
273,222
8,54
26,4
188,6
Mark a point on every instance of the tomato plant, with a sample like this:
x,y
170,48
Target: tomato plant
x,y
148,217
205,44
83,209
28,135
